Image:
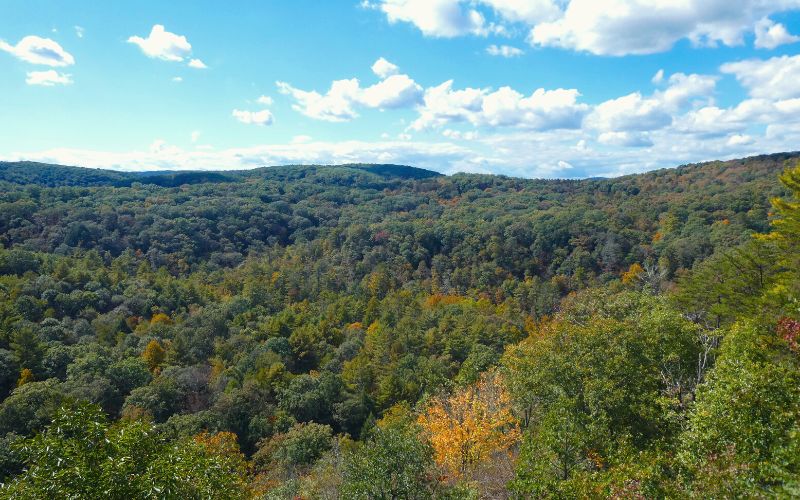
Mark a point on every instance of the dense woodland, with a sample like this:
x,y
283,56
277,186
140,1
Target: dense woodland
x,y
381,331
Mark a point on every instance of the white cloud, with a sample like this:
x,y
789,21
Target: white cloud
x,y
505,107
383,68
443,105
774,78
48,78
261,118
335,106
37,50
683,88
197,64
396,91
504,51
301,139
542,110
658,77
161,44
770,34
604,27
436,18
740,140
712,121
265,100
344,96
450,18
177,79
79,31
620,27
195,135
632,112
625,139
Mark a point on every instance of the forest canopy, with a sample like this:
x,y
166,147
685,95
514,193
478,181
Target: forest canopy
x,y
382,331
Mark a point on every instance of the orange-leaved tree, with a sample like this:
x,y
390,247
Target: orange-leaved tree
x,y
471,425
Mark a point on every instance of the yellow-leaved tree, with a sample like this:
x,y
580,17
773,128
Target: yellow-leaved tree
x,y
154,355
471,425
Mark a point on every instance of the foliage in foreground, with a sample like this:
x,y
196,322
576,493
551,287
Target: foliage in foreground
x,y
81,455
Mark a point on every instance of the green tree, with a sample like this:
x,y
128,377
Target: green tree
x,y
743,437
81,455
298,447
393,463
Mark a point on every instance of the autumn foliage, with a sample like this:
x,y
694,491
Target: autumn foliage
x,y
789,330
154,354
633,273
471,426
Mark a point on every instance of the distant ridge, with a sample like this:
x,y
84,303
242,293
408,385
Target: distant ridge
x,y
51,175
360,174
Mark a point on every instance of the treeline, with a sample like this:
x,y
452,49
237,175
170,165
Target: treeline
x,y
378,332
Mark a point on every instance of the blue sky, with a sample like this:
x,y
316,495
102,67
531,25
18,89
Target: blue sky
x,y
532,88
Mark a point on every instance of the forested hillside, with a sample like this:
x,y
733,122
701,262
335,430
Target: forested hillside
x,y
382,331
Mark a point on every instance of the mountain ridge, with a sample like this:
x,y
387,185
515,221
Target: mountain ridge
x,y
56,175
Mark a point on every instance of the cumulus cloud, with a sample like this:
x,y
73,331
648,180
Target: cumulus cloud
x,y
341,101
621,27
507,131
504,107
443,105
48,78
396,91
637,113
450,18
334,106
161,44
603,27
37,50
774,78
383,68
436,18
770,34
260,118
504,51
167,46
197,64
712,121
631,112
265,100
682,89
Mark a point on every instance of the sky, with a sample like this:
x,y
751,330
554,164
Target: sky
x,y
528,88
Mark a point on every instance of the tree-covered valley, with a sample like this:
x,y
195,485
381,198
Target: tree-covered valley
x,y
382,331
